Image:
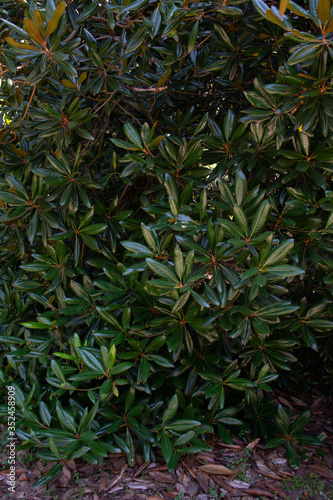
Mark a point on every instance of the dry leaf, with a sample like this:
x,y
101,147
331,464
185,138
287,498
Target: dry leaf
x,y
276,489
322,471
141,469
271,465
129,496
232,446
71,464
205,457
286,403
253,444
280,461
241,485
298,402
317,404
284,473
216,469
260,493
267,472
140,486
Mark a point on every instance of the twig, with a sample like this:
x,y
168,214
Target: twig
x,y
130,114
104,103
149,89
99,19
29,104
117,479
68,39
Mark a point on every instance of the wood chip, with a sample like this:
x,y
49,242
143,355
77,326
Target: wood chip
x,y
161,477
203,481
216,469
102,484
192,489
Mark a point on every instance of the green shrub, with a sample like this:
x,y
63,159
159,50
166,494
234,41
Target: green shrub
x,y
166,220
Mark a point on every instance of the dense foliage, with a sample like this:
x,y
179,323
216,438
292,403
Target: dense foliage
x,y
166,221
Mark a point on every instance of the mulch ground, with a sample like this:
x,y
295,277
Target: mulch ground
x,y
246,470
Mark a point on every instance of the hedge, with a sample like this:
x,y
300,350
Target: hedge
x,y
165,223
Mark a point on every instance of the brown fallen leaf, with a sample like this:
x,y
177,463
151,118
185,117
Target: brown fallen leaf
x,y
19,470
271,465
286,403
128,496
157,467
115,489
253,444
260,493
175,494
202,481
116,480
191,472
276,489
298,402
140,486
317,404
141,469
267,472
285,473
216,469
153,498
241,485
232,446
322,471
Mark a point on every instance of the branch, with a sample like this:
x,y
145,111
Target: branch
x,y
29,104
